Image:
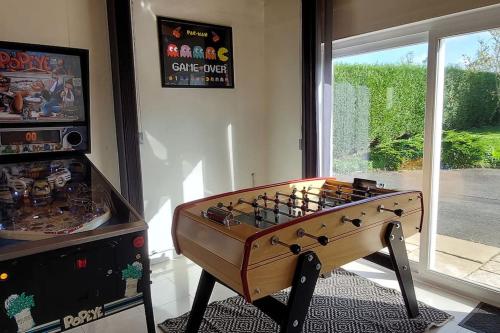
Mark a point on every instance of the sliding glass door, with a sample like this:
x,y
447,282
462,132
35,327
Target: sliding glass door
x,y
419,108
467,233
378,119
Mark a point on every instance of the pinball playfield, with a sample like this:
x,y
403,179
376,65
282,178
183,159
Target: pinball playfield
x,y
50,198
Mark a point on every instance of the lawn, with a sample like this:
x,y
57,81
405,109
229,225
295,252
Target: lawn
x,y
490,136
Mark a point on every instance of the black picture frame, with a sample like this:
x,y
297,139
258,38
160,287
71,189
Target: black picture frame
x,y
226,42
83,55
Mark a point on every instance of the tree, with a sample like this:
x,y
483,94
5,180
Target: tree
x,y
408,58
487,59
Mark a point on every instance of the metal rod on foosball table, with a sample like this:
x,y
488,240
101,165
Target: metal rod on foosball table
x,y
256,217
294,197
275,200
289,204
317,202
304,207
367,193
291,196
337,199
340,193
256,205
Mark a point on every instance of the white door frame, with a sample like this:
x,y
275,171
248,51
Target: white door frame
x,y
470,22
431,31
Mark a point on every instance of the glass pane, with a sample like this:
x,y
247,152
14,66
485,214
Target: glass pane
x,y
40,87
378,119
468,226
55,198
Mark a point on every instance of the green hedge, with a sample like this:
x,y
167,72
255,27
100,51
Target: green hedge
x,y
395,96
470,99
462,150
379,117
351,132
385,157
391,155
459,150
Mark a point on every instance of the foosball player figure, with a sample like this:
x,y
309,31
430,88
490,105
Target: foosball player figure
x,y
41,194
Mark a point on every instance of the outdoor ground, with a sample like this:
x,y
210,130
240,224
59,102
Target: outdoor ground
x,y
490,136
468,243
469,200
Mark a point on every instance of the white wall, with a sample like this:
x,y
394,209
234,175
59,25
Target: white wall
x,y
355,17
284,88
185,154
81,24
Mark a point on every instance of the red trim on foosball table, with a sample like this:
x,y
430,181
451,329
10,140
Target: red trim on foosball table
x,y
423,210
244,279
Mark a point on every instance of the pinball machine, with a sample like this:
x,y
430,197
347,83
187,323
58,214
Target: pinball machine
x,y
72,250
262,240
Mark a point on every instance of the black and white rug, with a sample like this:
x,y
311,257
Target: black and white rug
x,y
343,303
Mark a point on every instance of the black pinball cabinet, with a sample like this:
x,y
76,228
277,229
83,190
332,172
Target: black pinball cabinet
x,y
72,250
54,283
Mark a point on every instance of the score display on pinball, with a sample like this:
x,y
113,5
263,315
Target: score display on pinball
x,y
30,137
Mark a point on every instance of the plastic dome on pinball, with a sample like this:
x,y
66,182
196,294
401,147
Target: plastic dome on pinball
x,y
43,199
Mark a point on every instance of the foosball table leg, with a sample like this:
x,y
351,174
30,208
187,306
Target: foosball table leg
x,y
291,316
304,282
205,288
399,258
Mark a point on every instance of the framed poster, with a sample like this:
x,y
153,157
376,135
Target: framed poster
x,y
195,55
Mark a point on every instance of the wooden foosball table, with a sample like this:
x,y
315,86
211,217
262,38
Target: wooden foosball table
x,y
262,240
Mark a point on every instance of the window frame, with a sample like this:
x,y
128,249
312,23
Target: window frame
x,y
431,31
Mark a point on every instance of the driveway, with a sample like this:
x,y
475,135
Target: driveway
x,y
469,201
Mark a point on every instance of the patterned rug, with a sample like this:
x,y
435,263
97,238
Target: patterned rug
x,y
343,303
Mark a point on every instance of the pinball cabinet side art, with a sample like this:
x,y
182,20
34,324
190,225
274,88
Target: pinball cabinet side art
x,y
72,250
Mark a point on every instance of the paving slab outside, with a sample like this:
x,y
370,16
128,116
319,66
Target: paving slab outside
x,y
462,259
468,228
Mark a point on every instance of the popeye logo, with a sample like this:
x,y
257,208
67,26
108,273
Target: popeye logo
x,y
20,61
83,317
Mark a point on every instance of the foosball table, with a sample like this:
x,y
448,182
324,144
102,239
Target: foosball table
x,y
262,240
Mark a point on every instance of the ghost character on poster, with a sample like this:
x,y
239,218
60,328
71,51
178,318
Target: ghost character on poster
x,y
195,54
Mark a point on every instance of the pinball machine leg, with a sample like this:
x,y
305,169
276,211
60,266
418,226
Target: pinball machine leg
x,y
146,292
399,258
205,288
291,316
148,304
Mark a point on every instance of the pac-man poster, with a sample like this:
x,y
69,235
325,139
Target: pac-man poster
x,y
195,55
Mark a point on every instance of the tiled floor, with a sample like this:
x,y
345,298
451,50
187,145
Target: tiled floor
x,y
175,282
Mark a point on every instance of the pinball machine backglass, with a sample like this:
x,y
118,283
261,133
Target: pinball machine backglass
x,y
72,250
